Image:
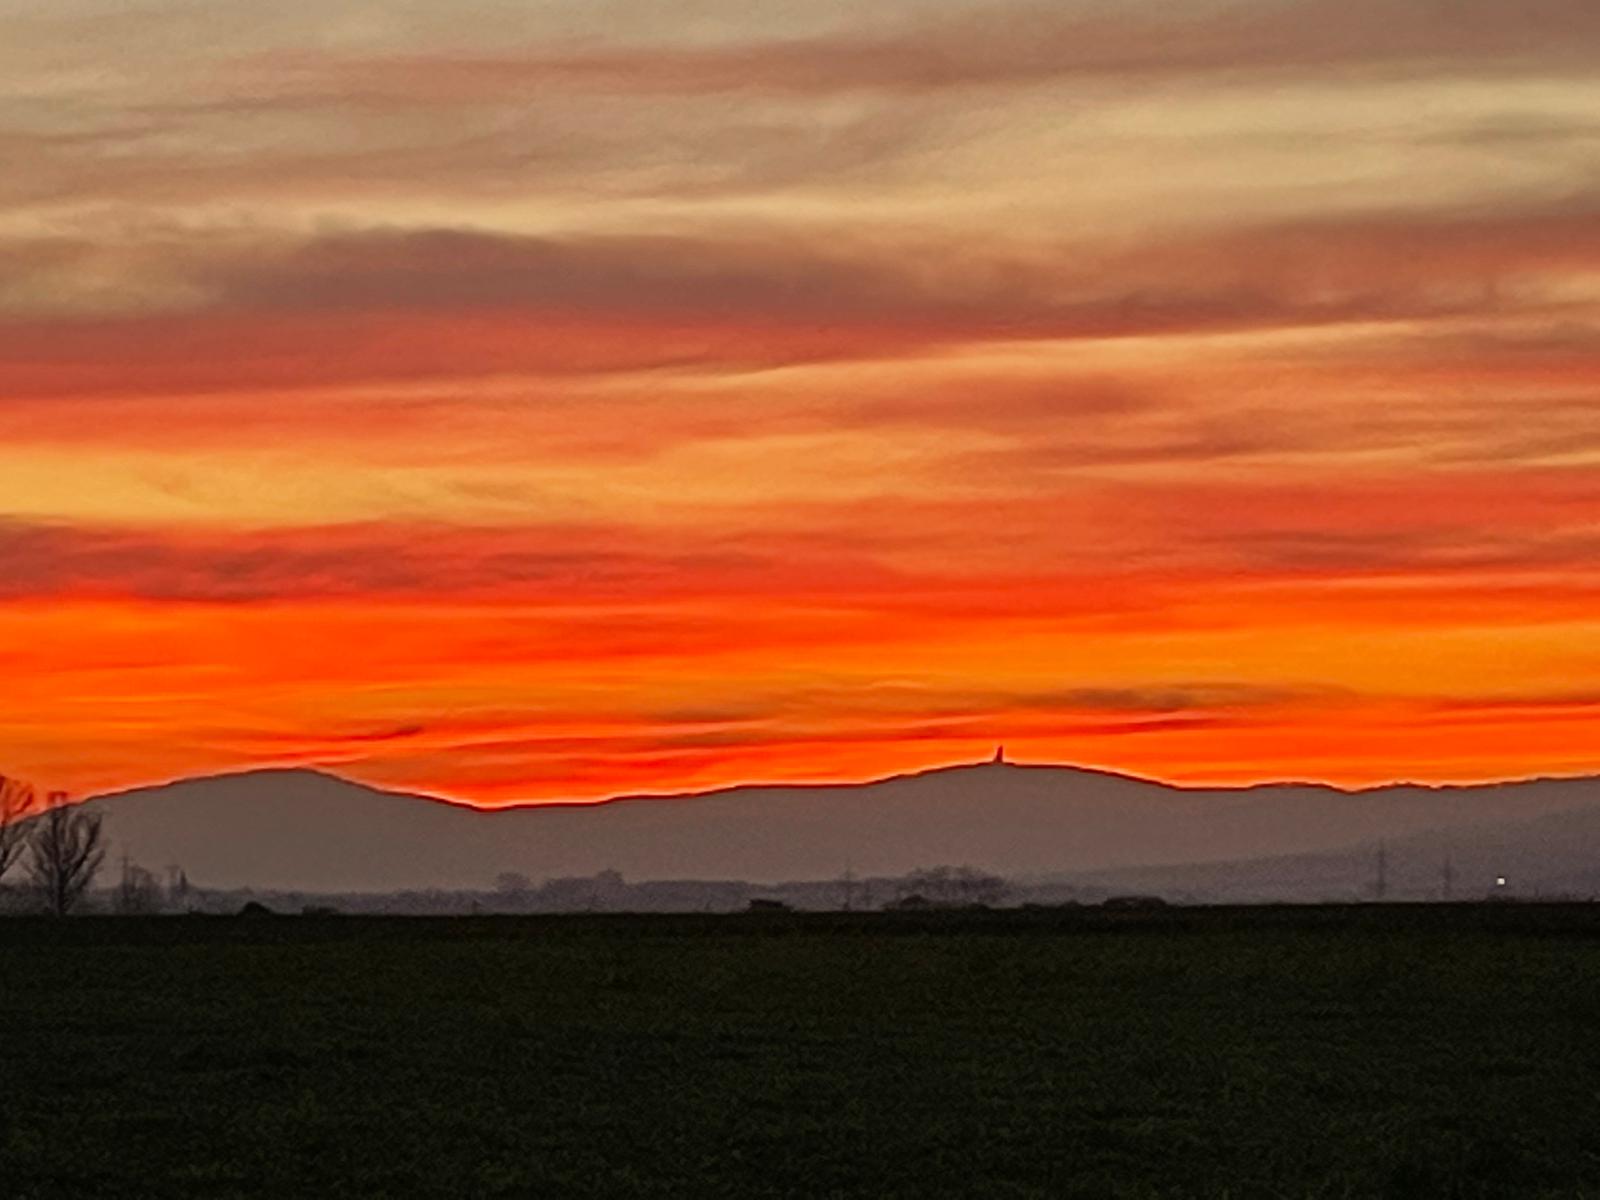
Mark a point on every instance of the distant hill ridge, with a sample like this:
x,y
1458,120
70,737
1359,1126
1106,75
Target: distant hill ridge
x,y
308,830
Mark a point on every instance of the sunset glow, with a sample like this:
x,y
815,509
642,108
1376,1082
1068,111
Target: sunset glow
x,y
554,401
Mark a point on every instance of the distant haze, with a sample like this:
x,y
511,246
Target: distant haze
x,y
307,831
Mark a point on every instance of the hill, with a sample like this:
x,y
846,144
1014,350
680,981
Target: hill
x,y
315,832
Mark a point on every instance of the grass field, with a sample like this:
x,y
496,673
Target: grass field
x,y
1406,1052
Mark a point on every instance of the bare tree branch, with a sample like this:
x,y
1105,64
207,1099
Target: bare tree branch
x,y
67,848
17,800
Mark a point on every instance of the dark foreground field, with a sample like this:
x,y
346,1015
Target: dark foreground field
x,y
1408,1052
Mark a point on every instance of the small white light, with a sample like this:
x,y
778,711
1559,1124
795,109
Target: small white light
x,y
1499,881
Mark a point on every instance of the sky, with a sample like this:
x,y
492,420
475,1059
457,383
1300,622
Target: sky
x,y
541,400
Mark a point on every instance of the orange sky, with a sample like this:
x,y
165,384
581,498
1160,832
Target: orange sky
x,y
551,401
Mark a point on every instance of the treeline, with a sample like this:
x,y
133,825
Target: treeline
x,y
607,891
52,853
57,849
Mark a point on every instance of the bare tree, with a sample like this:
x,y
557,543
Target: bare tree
x,y
66,849
178,889
139,893
16,802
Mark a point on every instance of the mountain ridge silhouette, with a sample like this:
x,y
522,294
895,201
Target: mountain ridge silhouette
x,y
814,785
314,830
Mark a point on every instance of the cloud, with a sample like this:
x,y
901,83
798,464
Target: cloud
x,y
258,308
238,566
1131,707
1417,551
372,561
273,154
1575,705
980,48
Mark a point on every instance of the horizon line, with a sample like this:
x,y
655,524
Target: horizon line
x,y
996,763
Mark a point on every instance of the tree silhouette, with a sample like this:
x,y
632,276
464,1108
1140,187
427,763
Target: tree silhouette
x,y
139,892
66,848
946,886
514,884
16,802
